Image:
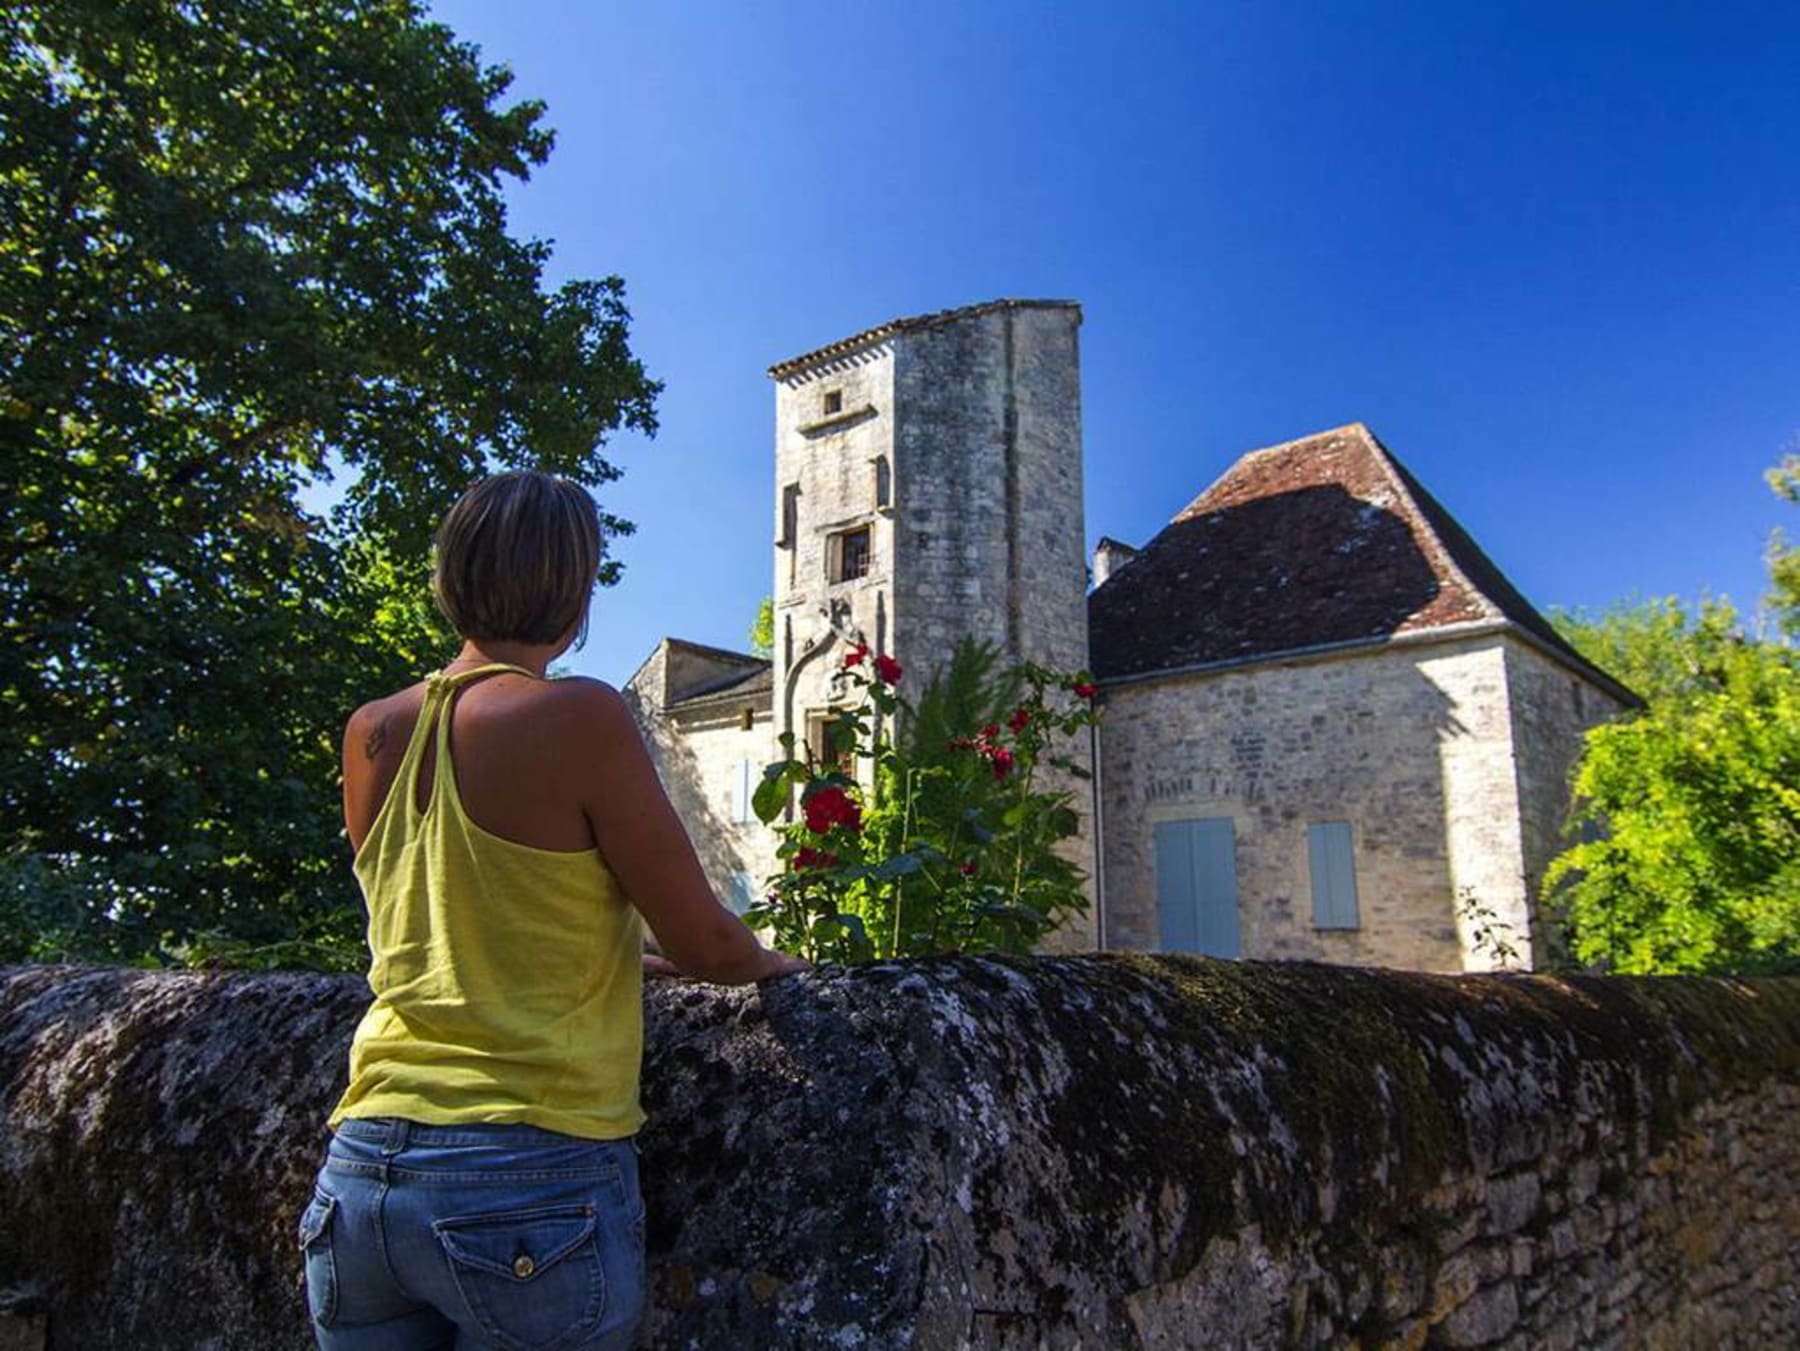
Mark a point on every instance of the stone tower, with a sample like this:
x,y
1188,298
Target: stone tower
x,y
927,488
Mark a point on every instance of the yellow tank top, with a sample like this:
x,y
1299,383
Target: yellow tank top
x,y
508,980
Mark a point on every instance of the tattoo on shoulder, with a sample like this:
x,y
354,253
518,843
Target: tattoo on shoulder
x,y
376,739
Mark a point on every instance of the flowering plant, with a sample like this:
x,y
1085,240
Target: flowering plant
x,y
950,841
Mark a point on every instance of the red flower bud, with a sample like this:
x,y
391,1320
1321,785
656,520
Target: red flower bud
x,y
1003,763
1085,689
1020,719
991,731
970,868
854,657
815,858
887,670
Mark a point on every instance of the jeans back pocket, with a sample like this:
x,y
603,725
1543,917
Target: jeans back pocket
x,y
320,1261
532,1278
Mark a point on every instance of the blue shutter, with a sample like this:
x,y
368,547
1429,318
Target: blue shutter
x,y
1178,917
1333,866
1196,886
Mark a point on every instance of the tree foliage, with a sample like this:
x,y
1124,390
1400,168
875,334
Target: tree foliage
x,y
1784,558
1691,808
762,628
246,244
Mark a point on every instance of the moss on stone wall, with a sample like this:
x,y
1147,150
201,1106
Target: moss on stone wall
x,y
1092,1150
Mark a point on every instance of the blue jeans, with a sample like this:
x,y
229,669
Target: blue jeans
x,y
475,1236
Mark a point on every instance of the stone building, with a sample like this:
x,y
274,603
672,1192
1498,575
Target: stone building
x,y
1332,729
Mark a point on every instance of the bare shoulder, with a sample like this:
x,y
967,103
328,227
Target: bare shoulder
x,y
589,707
378,723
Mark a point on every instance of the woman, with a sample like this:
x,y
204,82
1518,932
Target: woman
x,y
481,1188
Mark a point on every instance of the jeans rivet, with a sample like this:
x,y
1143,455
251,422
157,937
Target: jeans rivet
x,y
523,1267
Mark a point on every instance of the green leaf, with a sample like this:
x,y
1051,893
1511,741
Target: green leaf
x,y
900,865
770,799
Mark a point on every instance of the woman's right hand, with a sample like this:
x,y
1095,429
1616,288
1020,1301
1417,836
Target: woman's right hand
x,y
783,964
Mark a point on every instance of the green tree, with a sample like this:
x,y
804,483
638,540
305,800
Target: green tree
x,y
1690,809
762,628
243,245
1784,558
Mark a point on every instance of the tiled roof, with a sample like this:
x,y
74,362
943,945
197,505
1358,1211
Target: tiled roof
x,y
782,369
1320,542
753,685
716,653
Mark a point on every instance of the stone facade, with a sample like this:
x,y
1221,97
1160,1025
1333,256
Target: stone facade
x,y
1551,708
706,721
956,444
928,488
1312,646
1453,811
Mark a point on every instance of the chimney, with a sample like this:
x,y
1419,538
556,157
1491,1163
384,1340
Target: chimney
x,y
1109,557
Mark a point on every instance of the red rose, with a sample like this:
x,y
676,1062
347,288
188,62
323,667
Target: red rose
x,y
1002,760
887,670
854,657
815,858
832,807
991,731
1085,689
1020,719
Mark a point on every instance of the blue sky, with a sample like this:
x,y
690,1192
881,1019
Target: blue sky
x,y
1549,253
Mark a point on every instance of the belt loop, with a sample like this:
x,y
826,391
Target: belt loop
x,y
396,1137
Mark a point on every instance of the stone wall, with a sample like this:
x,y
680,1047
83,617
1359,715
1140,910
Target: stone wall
x,y
830,458
978,416
1106,1151
1279,747
1552,708
989,541
697,753
1449,759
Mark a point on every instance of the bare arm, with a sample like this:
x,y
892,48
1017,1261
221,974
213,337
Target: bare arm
x,y
650,853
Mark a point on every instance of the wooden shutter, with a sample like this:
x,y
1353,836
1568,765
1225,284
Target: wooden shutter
x,y
746,791
1333,865
1196,886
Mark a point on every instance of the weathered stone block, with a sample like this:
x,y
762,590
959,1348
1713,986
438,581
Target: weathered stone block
x,y
1512,1201
960,1152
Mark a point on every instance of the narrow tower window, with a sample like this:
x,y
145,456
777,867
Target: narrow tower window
x,y
834,401
884,482
833,741
790,515
849,555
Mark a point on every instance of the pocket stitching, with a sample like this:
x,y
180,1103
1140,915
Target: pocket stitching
x,y
311,1234
479,1269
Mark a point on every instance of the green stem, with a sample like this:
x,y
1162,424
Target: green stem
x,y
912,779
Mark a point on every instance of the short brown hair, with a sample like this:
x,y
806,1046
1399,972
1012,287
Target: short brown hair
x,y
517,557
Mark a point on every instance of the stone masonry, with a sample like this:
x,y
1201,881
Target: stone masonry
x,y
706,721
1121,1152
1412,743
